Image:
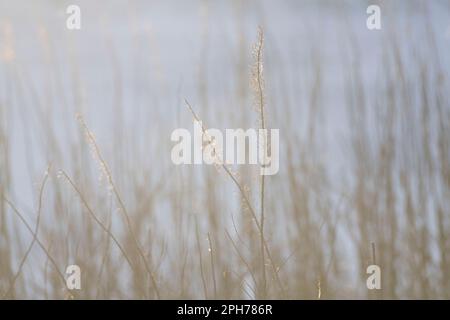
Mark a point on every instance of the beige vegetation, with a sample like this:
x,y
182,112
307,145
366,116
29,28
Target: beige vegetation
x,y
148,229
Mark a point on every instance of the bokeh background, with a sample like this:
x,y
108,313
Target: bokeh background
x,y
86,176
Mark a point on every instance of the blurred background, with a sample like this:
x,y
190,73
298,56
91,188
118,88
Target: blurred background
x,y
86,176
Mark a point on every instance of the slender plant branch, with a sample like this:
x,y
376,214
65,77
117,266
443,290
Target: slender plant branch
x,y
30,247
246,201
105,169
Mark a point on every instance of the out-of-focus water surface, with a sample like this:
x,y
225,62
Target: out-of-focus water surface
x,y
147,56
130,67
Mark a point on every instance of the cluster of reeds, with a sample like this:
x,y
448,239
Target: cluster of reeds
x,y
140,227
